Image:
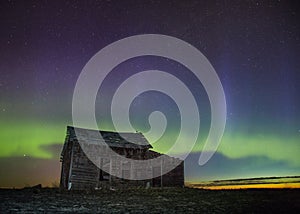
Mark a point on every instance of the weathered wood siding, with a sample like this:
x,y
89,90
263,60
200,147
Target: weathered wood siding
x,y
79,172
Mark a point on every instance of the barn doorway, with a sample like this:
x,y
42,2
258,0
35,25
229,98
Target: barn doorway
x,y
157,181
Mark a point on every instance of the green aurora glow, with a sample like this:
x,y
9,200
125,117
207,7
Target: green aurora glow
x,y
19,138
28,137
254,49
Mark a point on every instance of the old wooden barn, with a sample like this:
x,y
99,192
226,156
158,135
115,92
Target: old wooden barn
x,y
78,172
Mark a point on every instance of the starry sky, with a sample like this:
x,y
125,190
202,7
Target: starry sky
x,y
254,47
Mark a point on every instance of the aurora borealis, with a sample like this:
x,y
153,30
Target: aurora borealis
x,y
254,47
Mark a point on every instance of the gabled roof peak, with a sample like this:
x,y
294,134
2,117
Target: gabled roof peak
x,y
113,139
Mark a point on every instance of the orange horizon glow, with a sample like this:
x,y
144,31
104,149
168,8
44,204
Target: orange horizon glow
x,y
250,186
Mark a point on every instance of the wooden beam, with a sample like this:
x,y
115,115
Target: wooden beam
x,y
71,165
98,173
110,170
161,171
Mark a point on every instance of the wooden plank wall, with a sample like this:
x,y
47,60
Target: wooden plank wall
x,y
85,175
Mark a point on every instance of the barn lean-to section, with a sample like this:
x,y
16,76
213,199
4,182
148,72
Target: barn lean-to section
x,y
78,172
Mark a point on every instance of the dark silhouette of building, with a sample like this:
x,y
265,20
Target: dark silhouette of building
x,y
78,172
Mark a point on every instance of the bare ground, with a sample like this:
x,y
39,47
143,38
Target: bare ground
x,y
171,200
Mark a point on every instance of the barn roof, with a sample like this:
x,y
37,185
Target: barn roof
x,y
112,139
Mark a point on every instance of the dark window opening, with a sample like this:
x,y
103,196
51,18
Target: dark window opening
x,y
103,176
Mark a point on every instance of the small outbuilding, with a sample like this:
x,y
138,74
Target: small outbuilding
x,y
78,172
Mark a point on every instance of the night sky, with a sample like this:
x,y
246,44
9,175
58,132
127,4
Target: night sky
x,y
254,47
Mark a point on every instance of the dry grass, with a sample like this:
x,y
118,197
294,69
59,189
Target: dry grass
x,y
171,200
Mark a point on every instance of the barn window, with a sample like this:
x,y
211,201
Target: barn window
x,y
105,167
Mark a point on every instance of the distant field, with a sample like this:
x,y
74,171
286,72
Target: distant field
x,y
165,200
251,183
